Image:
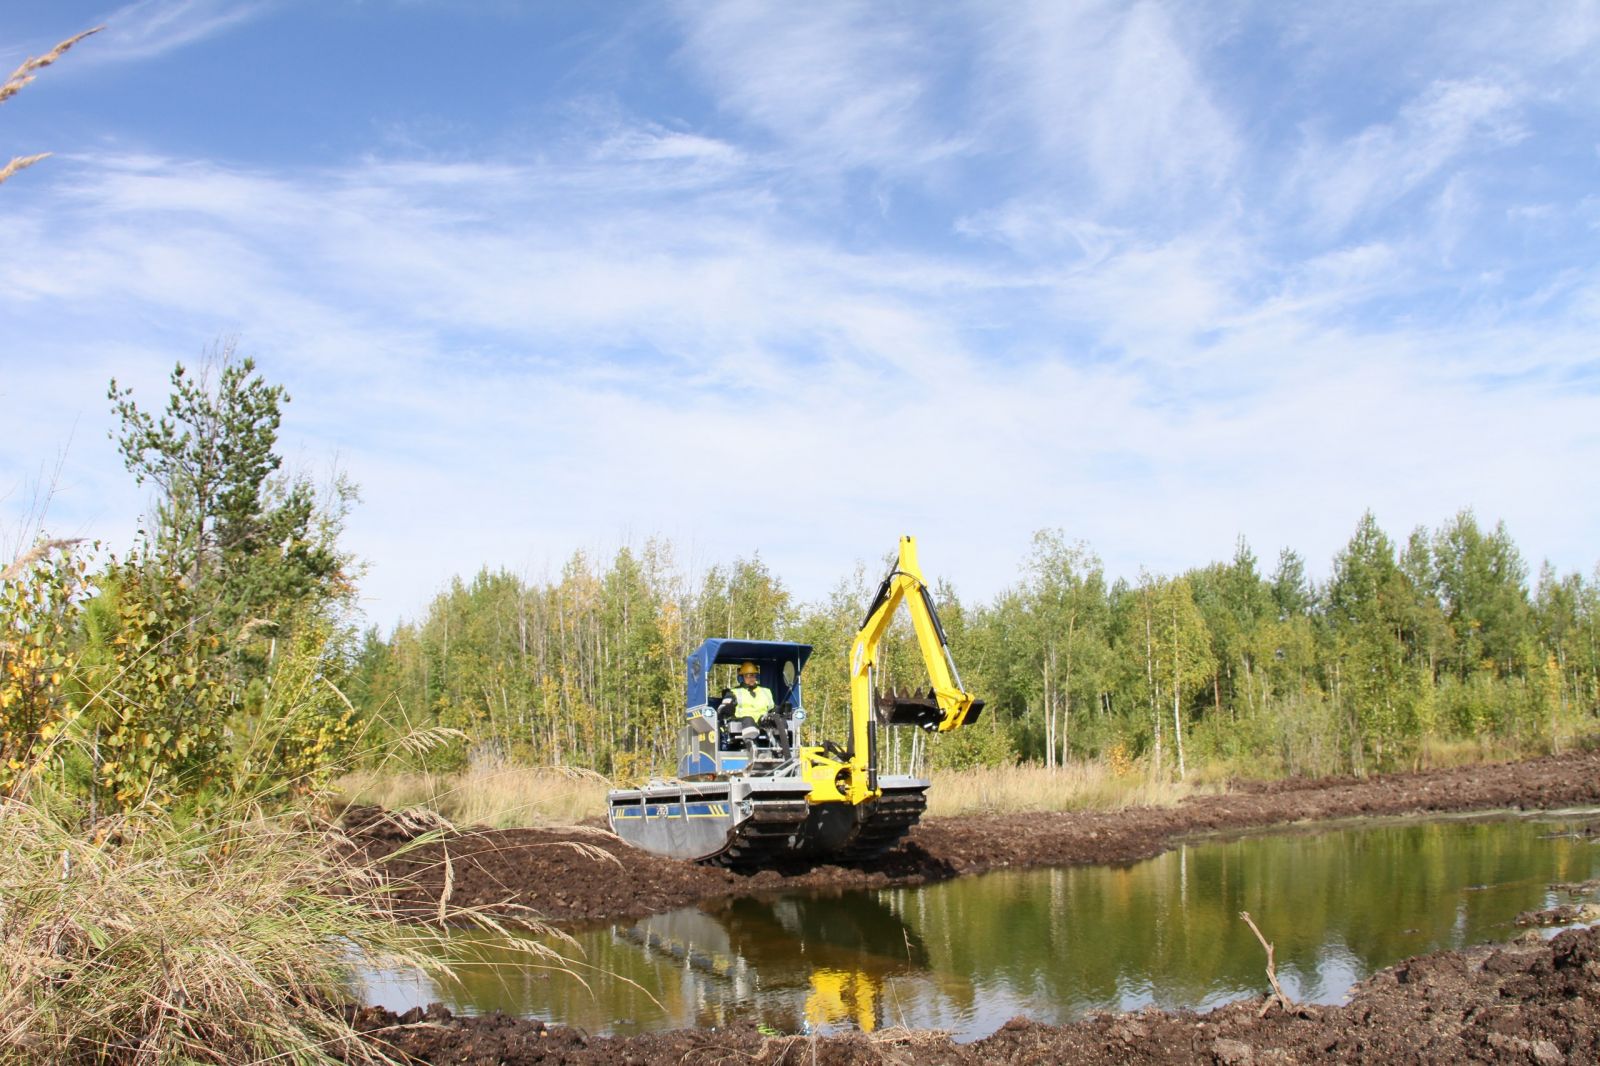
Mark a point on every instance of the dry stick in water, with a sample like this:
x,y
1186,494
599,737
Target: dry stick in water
x,y
1279,994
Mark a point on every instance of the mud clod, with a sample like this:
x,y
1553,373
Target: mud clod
x,y
1233,1052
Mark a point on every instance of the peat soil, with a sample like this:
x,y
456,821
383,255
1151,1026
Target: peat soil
x,y
1534,1002
580,875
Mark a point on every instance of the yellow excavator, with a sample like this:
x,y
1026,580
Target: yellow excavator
x,y
750,795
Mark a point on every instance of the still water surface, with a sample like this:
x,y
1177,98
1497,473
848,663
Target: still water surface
x,y
1054,945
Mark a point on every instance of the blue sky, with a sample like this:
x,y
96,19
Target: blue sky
x,y
795,279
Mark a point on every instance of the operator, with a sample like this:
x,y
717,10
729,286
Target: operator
x,y
752,699
753,702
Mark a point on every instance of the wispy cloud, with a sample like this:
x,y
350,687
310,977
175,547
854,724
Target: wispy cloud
x,y
1108,95
834,84
150,28
1347,181
551,343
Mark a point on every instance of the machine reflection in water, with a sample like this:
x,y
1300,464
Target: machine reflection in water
x,y
794,964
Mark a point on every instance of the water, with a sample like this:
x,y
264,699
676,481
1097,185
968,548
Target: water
x,y
965,956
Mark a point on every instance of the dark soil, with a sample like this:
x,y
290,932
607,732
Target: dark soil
x,y
1532,1002
561,875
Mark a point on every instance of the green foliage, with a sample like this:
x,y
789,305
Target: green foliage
x,y
215,654
157,691
966,749
1481,583
303,729
1368,605
1063,615
210,453
256,548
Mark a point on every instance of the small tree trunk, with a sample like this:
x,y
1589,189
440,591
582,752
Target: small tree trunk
x,y
1150,680
1177,691
1047,713
1177,718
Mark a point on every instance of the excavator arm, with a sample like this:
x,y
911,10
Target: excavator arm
x,y
825,801
947,706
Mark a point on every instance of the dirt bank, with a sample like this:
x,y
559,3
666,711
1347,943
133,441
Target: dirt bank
x,y
542,870
1532,1002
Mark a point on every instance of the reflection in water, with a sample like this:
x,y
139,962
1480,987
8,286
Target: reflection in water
x,y
1051,944
816,963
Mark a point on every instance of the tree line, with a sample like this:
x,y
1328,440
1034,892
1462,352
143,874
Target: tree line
x,y
1441,637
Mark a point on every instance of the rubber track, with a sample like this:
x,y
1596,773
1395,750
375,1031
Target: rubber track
x,y
888,819
765,836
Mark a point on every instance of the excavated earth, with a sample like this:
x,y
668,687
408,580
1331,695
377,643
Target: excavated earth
x,y
1530,1002
587,875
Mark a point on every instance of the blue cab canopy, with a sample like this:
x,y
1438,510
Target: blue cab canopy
x,y
772,656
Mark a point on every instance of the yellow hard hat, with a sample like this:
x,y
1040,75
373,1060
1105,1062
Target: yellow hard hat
x,y
749,668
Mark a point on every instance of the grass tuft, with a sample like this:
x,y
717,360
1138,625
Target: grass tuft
x,y
25,73
1440,754
152,942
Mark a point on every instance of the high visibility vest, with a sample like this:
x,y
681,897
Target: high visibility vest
x,y
752,703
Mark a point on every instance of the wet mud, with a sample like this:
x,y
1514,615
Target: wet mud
x,y
586,875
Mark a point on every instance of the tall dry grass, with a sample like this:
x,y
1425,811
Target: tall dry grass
x,y
1076,786
20,78
225,941
155,943
498,795
1437,753
504,796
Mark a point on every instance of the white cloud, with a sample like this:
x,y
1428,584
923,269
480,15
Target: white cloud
x,y
836,84
1041,229
1110,92
1349,180
509,391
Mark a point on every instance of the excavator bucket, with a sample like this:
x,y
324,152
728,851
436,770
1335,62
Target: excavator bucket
x,y
909,708
919,709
